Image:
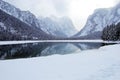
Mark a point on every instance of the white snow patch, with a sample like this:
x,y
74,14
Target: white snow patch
x,y
54,41
118,11
3,26
12,30
101,64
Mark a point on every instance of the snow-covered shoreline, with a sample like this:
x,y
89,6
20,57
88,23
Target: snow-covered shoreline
x,y
55,41
101,64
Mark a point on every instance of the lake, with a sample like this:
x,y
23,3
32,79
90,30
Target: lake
x,y
30,50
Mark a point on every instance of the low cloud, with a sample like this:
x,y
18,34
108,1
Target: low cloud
x,y
42,7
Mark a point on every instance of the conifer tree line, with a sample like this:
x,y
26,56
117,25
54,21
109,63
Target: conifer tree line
x,y
111,33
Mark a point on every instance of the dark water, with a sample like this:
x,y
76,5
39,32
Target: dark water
x,y
43,49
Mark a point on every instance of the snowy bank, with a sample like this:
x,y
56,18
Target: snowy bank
x,y
102,64
55,41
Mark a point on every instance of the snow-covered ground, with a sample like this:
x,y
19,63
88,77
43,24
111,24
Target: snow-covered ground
x,y
101,64
54,41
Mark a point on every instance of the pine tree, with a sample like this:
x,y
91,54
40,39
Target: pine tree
x,y
111,33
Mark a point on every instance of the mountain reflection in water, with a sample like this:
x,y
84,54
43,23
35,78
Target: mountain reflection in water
x,y
43,49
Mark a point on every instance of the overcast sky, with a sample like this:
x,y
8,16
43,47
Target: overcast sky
x,y
77,10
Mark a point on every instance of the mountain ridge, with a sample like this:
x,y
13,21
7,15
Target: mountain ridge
x,y
12,28
32,20
100,19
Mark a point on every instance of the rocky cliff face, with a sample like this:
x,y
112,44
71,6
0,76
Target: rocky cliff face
x,y
100,19
62,27
12,28
24,16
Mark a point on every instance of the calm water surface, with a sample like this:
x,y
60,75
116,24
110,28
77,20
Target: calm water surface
x,y
43,49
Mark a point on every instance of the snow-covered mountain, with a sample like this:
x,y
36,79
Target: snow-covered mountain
x,y
24,16
12,28
63,27
100,19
